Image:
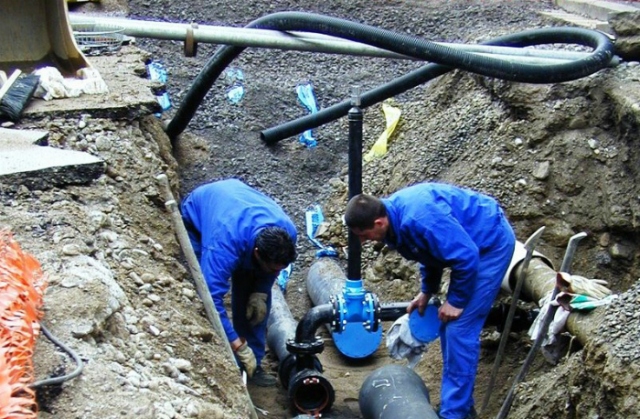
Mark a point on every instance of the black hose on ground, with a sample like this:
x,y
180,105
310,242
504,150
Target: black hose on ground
x,y
414,47
76,358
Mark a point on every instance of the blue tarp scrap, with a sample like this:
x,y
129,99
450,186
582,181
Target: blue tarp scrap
x,y
157,72
313,218
308,100
235,92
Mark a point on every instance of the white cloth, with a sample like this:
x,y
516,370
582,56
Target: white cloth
x,y
401,343
557,324
53,85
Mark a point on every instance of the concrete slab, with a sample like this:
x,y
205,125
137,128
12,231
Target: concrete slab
x,y
24,162
576,20
130,93
594,9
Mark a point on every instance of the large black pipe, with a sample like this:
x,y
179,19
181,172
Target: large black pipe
x,y
392,311
308,390
394,88
394,392
414,47
281,327
324,280
355,183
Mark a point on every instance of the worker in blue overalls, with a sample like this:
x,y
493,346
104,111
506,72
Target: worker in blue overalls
x,y
242,239
443,226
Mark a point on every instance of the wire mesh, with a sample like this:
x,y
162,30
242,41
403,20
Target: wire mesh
x,y
96,38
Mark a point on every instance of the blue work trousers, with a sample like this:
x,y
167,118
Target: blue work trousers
x,y
460,339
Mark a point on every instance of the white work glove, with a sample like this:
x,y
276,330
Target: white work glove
x,y
247,358
575,284
257,308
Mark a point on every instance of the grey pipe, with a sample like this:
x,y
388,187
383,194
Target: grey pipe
x,y
305,41
540,281
394,392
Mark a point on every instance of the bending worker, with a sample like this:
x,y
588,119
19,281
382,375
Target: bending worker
x,y
242,239
443,226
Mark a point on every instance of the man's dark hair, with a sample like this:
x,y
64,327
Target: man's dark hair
x,y
362,210
275,245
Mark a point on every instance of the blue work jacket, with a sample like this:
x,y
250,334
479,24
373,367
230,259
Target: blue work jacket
x,y
228,215
443,226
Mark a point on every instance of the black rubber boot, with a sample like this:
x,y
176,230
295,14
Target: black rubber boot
x,y
262,379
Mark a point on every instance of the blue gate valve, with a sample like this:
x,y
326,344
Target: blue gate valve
x,y
356,326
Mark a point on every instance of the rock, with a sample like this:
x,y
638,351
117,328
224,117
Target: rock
x,y
625,23
541,170
628,47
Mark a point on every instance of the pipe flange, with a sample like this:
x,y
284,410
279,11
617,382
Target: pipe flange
x,y
190,44
373,309
337,324
305,348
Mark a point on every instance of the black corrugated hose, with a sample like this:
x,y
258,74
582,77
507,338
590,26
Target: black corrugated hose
x,y
446,58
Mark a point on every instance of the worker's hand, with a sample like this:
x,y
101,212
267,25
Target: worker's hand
x,y
420,302
576,284
247,358
257,308
447,312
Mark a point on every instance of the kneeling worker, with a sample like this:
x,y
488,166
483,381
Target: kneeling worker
x,y
242,239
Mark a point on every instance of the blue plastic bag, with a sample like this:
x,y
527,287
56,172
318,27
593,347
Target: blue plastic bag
x,y
313,218
157,72
308,100
283,277
235,92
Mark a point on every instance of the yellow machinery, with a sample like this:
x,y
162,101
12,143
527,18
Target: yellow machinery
x,y
37,33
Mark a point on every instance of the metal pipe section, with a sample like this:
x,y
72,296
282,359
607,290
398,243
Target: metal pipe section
x,y
355,117
540,281
393,392
309,391
304,41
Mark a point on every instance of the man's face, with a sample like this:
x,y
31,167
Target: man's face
x,y
268,267
375,233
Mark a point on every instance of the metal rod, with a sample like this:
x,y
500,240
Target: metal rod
x,y
304,41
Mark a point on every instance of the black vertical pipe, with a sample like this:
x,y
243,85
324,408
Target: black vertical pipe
x,y
355,181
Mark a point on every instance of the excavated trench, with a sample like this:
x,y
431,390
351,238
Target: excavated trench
x,y
559,155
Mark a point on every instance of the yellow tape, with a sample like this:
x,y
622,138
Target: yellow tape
x,y
379,149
